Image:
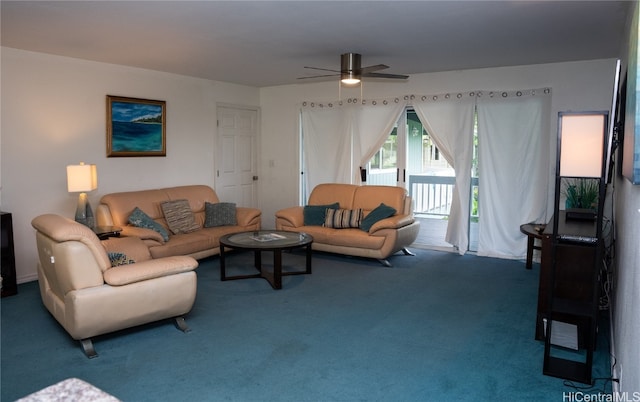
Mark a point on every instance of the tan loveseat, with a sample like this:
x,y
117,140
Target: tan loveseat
x,y
115,209
90,295
384,238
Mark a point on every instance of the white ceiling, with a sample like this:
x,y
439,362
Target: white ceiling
x,y
266,43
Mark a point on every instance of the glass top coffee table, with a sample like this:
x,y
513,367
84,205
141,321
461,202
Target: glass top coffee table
x,y
266,240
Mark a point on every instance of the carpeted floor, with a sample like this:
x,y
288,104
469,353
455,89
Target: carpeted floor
x,y
437,326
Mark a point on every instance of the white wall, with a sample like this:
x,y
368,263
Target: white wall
x,y
54,114
626,321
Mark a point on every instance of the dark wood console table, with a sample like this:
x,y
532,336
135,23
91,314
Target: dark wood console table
x,y
568,297
577,262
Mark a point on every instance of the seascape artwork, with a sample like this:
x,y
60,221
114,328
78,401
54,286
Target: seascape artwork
x,y
136,127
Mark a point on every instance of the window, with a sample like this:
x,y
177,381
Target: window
x,y
387,156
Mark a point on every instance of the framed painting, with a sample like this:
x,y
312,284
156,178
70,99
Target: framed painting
x,y
135,127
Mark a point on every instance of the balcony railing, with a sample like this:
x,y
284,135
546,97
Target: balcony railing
x,y
432,195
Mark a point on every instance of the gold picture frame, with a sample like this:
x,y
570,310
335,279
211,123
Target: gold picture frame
x,y
135,127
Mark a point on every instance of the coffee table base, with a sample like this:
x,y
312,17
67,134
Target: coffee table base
x,y
274,278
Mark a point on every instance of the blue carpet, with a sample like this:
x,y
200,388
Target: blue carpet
x,y
435,327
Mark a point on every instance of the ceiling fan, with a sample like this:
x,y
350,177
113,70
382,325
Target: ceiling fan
x,y
351,71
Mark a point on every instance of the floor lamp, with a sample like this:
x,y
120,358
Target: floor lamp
x,y
83,178
576,250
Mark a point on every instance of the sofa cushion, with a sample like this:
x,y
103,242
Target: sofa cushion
x,y
219,214
382,211
179,216
327,193
315,215
343,218
140,219
369,197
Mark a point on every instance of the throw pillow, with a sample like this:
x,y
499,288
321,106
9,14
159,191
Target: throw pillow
x,y
179,216
379,213
314,215
140,219
119,259
133,247
219,214
343,218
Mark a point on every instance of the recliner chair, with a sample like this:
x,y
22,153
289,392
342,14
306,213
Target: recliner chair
x,y
89,297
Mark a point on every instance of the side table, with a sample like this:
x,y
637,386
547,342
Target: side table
x,y
104,232
533,231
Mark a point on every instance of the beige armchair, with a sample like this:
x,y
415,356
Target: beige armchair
x,y
89,297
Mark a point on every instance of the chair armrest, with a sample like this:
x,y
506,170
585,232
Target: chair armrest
x,y
393,222
247,216
292,216
143,233
149,269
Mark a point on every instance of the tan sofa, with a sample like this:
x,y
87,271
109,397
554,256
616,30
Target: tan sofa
x,y
114,210
89,297
384,238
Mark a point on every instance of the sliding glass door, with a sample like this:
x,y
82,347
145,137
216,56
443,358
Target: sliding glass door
x,y
410,159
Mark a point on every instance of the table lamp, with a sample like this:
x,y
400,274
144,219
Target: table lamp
x,y
82,178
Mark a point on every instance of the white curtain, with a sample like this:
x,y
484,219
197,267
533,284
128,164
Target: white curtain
x,y
374,123
327,145
340,137
449,122
513,139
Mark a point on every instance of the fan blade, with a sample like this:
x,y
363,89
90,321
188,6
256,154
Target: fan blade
x,y
384,75
318,76
370,69
322,69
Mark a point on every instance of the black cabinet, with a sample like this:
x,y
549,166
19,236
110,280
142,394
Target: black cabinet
x,y
9,286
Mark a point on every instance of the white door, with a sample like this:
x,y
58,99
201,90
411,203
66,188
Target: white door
x,y
236,173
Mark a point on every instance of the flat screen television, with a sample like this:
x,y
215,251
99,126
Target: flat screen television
x,y
615,118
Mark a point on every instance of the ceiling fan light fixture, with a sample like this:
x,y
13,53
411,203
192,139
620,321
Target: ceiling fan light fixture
x,y
349,78
349,64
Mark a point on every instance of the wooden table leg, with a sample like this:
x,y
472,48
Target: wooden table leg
x,y
222,266
308,259
530,240
277,269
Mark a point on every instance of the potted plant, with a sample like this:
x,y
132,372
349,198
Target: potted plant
x,y
580,193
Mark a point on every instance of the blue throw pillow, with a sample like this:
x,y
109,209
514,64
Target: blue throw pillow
x,y
379,213
314,215
139,219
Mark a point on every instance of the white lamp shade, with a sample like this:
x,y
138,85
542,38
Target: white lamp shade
x,y
81,178
582,145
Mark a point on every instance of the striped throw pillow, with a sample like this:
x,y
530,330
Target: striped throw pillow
x,y
179,216
343,218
